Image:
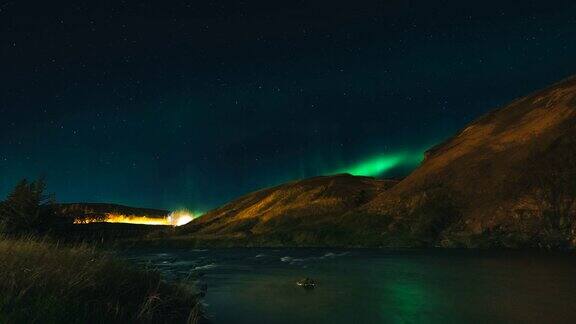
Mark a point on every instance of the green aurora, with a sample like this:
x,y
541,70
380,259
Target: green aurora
x,y
379,165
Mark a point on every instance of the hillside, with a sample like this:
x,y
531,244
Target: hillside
x,y
504,179
507,179
304,212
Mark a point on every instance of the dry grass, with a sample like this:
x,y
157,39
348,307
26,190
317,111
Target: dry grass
x,y
41,282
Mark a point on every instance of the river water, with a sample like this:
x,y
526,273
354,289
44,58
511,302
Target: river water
x,y
375,286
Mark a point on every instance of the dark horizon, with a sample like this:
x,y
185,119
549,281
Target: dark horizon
x,y
191,105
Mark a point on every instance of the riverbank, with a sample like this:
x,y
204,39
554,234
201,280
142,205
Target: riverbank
x,y
42,282
493,240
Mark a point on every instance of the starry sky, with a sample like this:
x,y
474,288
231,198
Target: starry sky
x,y
174,104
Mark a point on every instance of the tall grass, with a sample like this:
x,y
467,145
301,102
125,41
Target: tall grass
x,y
41,282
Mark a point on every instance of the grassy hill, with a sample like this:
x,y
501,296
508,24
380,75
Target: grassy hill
x,y
305,212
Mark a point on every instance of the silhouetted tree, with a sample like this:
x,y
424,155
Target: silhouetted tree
x,y
27,208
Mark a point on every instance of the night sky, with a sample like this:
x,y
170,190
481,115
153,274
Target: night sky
x,y
175,104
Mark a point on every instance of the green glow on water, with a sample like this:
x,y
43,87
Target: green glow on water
x,y
380,164
408,301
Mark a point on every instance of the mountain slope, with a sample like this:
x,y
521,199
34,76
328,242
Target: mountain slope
x,y
304,212
494,168
507,179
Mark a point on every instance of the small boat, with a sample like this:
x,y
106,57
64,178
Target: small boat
x,y
306,283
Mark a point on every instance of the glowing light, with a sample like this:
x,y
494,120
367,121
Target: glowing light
x,y
177,218
380,164
180,217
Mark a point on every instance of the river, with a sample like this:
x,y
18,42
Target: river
x,y
375,286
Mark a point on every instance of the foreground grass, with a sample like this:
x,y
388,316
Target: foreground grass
x,y
43,283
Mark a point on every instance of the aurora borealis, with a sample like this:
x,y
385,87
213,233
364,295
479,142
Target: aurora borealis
x,y
380,165
188,105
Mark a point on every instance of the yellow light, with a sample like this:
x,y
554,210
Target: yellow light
x,y
180,217
176,218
